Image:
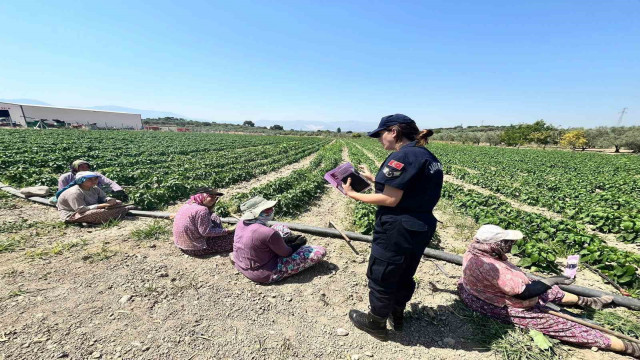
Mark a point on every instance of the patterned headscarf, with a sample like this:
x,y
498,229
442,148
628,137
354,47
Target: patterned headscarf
x,y
199,199
498,249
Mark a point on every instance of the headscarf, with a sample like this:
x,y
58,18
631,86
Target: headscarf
x,y
76,164
199,199
498,249
81,177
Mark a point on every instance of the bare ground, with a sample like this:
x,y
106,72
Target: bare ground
x,y
116,297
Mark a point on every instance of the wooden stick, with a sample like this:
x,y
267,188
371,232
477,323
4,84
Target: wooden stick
x,y
593,326
345,237
607,279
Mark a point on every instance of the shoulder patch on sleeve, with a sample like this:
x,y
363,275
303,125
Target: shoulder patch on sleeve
x,y
396,164
391,172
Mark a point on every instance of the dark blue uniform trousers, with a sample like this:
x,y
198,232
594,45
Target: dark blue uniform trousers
x,y
395,256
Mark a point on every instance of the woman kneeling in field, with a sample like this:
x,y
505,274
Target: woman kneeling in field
x,y
269,254
197,231
494,287
82,201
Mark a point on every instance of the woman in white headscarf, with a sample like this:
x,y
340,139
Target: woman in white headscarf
x,y
82,201
261,253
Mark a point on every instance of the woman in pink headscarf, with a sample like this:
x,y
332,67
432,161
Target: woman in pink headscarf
x,y
197,231
493,286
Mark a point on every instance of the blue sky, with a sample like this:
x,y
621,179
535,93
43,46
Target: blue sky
x,y
444,63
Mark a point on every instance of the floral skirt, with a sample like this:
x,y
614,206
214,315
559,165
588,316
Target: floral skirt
x,y
304,258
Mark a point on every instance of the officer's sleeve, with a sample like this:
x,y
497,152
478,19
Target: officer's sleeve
x,y
398,170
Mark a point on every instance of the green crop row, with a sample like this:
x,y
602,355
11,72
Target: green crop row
x,y
595,189
294,192
156,168
546,239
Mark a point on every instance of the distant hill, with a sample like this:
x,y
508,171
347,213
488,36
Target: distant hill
x,y
25,101
144,113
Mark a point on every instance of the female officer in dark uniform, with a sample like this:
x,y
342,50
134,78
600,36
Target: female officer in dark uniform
x,y
407,188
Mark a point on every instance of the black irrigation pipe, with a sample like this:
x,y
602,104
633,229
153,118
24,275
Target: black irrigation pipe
x,y
628,302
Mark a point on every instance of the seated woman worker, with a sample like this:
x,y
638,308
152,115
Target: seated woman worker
x,y
82,201
197,231
494,287
107,185
261,253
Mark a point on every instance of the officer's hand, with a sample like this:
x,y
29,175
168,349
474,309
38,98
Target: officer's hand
x,y
364,171
347,187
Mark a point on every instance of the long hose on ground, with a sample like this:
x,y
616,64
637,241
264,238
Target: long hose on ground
x,y
627,302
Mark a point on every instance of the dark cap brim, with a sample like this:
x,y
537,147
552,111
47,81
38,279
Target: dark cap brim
x,y
375,133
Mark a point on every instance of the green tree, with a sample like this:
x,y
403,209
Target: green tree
x,y
276,127
248,123
339,130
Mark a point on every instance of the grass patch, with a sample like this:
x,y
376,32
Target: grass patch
x,y
58,248
7,227
12,243
16,293
111,223
156,230
622,321
104,253
509,342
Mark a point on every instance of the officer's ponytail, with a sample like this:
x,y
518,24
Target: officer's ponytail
x,y
423,137
411,132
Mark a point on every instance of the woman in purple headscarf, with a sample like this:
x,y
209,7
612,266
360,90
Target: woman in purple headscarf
x,y
197,231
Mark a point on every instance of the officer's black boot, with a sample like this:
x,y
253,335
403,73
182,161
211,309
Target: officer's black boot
x,y
397,319
373,325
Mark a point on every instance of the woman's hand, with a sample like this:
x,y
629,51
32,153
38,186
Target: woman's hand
x,y
348,190
364,171
111,202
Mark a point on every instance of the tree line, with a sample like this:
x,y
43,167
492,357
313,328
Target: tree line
x,y
543,134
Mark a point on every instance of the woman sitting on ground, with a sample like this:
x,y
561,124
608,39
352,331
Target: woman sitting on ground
x,y
267,255
82,201
494,287
197,231
107,185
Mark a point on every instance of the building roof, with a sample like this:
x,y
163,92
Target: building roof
x,y
69,108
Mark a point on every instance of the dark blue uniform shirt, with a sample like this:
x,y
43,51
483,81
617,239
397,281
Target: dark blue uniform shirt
x,y
417,172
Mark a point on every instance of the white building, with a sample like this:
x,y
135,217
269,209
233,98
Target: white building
x,y
29,115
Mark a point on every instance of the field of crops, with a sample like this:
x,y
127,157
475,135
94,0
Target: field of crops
x,y
595,190
587,189
156,168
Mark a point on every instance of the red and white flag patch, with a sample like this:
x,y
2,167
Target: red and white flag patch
x,y
396,164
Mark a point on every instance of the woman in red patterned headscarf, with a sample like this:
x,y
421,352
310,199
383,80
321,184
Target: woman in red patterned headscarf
x,y
197,231
494,287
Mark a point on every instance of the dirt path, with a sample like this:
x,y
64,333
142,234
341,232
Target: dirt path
x,y
261,180
369,154
148,301
282,172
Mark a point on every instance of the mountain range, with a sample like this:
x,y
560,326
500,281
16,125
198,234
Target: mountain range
x,y
296,125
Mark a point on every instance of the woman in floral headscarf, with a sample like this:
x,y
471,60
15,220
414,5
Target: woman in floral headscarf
x,y
494,287
197,231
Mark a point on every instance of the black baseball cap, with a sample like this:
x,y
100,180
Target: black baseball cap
x,y
388,121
